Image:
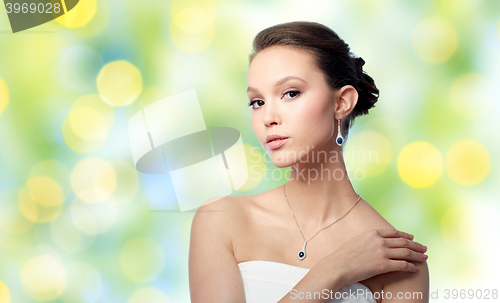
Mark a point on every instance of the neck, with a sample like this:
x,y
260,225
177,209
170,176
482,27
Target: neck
x,y
319,191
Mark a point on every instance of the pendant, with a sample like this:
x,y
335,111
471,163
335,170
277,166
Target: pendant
x,y
302,253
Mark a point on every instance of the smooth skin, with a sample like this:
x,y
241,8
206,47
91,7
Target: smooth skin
x,y
290,97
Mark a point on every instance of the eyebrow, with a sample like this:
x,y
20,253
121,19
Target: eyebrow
x,y
279,82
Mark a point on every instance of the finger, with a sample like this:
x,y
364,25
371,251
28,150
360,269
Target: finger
x,y
402,242
406,254
399,265
393,233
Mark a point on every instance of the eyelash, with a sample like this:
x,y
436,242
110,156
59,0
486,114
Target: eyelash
x,y
251,103
293,91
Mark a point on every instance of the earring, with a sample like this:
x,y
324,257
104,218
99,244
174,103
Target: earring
x,y
339,139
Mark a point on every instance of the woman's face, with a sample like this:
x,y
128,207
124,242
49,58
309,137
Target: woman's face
x,y
292,99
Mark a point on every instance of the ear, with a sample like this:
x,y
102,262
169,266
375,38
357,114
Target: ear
x,y
347,98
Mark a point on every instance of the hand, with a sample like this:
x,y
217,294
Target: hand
x,y
375,252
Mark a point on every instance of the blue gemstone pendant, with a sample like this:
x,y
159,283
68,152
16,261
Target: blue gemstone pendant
x,y
302,253
339,141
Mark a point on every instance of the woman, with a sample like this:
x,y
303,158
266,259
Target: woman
x,y
313,239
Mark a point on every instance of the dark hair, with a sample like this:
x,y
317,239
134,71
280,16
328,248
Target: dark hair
x,y
331,54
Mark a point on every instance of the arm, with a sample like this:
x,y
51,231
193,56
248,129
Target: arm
x,y
214,275
370,254
415,286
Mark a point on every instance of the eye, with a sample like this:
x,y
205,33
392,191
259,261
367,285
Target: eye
x,y
292,94
256,102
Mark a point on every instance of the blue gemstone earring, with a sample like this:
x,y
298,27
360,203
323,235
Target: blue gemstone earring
x,y
339,139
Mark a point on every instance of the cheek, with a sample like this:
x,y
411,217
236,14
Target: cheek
x,y
254,122
257,125
316,120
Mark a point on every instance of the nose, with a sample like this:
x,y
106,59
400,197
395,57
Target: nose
x,y
271,114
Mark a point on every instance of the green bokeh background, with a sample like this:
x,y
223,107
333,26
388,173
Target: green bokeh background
x,y
204,45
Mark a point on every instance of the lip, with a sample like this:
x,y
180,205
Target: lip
x,y
276,141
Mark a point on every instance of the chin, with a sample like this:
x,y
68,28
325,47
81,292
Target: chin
x,y
280,159
281,164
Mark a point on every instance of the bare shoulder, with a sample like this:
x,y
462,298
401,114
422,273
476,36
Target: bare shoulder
x,y
228,218
213,271
416,284
218,216
368,218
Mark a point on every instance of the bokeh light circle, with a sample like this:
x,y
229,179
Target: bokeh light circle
x,y
95,218
420,164
4,293
12,221
434,40
148,294
467,162
76,143
192,29
119,83
45,191
4,96
93,180
141,259
472,96
42,199
43,278
84,284
95,102
56,171
88,124
368,151
67,236
80,15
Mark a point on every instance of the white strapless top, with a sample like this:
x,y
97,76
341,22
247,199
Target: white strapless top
x,y
267,281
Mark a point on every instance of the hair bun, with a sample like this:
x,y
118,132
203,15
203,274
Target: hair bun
x,y
368,92
359,62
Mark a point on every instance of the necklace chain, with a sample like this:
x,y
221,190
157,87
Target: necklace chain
x,y
284,192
